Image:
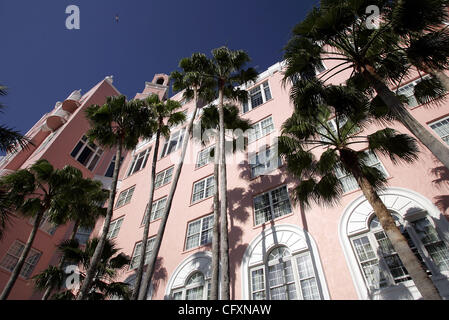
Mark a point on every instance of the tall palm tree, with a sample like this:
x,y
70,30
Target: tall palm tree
x,y
191,79
424,36
228,73
83,212
103,286
308,129
36,191
337,32
116,124
10,140
165,114
210,121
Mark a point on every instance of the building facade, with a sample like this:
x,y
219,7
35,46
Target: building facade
x,y
278,249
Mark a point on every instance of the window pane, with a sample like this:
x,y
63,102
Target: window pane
x,y
267,90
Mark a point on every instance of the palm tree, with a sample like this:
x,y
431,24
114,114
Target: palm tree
x,y
337,32
103,286
117,124
424,40
210,121
196,86
228,73
10,140
33,192
165,114
309,129
83,212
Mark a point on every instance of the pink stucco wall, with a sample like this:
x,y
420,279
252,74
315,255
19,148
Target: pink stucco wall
x,y
321,223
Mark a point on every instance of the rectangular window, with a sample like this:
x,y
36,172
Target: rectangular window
x,y
157,209
199,232
139,162
114,228
135,260
441,127
349,183
257,96
204,157
87,153
260,129
369,263
110,172
12,257
408,91
432,242
125,197
307,280
83,234
163,178
258,284
264,161
271,204
203,189
45,225
173,143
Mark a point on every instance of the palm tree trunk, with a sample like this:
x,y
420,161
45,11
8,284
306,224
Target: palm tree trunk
x,y
214,295
62,261
16,271
146,228
224,245
436,147
90,274
160,234
419,276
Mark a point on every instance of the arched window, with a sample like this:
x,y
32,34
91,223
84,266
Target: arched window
x,y
195,288
381,265
160,81
284,276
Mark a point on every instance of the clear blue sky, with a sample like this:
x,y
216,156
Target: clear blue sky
x,y
43,62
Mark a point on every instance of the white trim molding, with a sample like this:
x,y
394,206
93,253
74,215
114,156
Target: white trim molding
x,y
295,239
355,220
199,261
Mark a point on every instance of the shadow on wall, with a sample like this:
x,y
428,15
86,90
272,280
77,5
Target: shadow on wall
x,y
241,210
441,181
160,274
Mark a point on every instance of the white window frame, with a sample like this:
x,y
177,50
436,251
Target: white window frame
x,y
418,246
205,283
136,158
271,205
255,161
83,233
408,90
114,228
46,225
135,259
257,127
203,158
30,262
261,88
201,232
95,156
443,122
349,178
208,183
124,197
263,268
161,178
158,208
112,166
176,137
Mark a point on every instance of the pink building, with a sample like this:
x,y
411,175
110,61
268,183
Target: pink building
x,y
278,250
